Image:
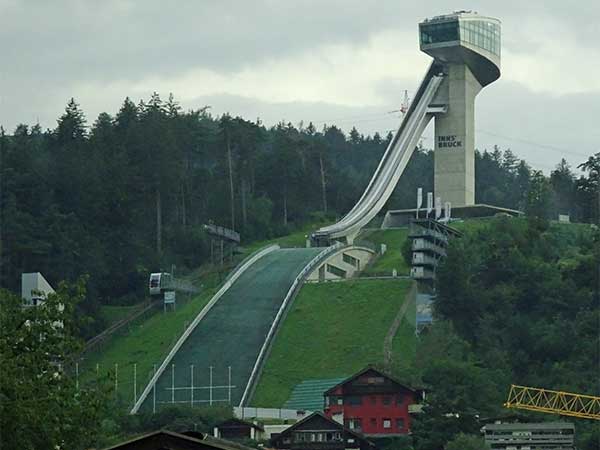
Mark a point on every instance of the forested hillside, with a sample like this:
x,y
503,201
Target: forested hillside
x,y
517,302
128,193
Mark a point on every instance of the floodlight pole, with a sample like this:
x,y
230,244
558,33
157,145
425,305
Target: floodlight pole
x,y
192,385
210,386
154,392
172,383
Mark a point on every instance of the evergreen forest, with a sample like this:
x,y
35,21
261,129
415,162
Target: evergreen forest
x,y
129,193
109,201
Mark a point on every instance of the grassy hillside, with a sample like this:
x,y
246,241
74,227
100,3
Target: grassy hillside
x,y
332,330
393,257
295,239
144,343
404,343
149,339
112,314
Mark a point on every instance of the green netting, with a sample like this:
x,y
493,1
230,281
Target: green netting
x,y
231,334
308,395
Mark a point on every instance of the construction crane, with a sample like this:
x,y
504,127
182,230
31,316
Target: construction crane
x,y
555,402
403,106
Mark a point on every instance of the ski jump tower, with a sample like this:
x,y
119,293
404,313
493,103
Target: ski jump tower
x,y
468,48
466,57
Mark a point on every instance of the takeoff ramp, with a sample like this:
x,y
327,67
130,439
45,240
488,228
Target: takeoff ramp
x,y
227,339
392,163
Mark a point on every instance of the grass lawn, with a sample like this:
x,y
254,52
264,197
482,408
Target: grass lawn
x,y
145,344
112,314
295,239
404,343
332,330
393,256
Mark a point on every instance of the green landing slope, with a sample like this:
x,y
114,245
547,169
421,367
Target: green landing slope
x,y
231,334
332,330
392,259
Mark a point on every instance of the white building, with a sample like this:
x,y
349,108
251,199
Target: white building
x,y
34,289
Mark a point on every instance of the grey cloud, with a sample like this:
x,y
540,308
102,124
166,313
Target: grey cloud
x,y
49,47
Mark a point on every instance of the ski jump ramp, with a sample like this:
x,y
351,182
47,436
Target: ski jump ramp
x,y
466,51
229,339
231,336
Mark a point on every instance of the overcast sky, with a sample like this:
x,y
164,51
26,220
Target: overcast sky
x,y
344,62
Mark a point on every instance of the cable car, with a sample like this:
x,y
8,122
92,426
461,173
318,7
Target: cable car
x,y
159,282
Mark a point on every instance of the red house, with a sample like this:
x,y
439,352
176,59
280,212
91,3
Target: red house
x,y
372,403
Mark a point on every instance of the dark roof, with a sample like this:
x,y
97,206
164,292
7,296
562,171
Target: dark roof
x,y
163,439
233,422
362,372
320,415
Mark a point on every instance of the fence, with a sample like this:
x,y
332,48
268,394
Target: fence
x,y
201,385
269,413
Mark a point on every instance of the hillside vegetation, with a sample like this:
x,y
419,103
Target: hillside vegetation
x,y
392,259
128,194
145,343
332,330
518,303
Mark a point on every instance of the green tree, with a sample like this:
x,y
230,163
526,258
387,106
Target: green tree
x,y
41,406
538,198
467,442
589,189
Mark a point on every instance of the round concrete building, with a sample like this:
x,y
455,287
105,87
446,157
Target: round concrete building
x,y
467,48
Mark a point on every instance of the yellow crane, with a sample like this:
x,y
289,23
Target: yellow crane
x,y
556,402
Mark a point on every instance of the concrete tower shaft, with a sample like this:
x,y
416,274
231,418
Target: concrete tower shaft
x,y
467,46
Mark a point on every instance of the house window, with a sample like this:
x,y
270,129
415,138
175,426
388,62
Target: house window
x,y
375,380
399,399
400,423
354,424
387,400
334,400
373,422
387,423
354,400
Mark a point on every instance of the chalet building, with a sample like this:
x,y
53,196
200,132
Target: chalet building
x,y
236,429
372,403
318,432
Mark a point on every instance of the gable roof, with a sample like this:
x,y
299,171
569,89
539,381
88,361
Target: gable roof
x,y
164,439
239,422
364,371
320,415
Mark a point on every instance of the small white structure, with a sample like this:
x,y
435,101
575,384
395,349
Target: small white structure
x,y
34,289
159,282
169,300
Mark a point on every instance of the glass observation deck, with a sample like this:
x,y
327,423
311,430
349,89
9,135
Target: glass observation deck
x,y
461,28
